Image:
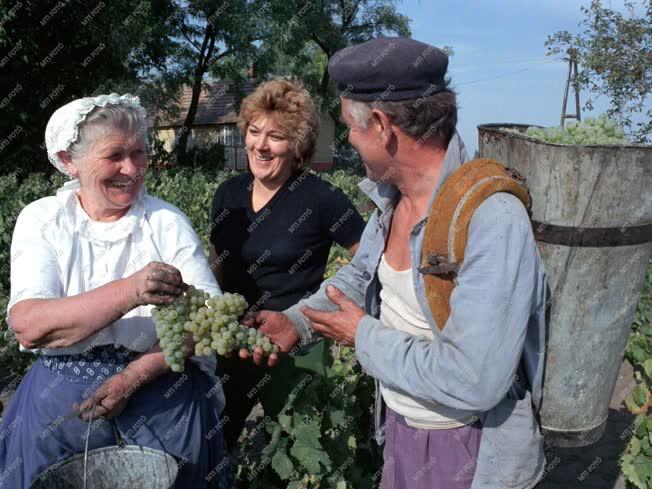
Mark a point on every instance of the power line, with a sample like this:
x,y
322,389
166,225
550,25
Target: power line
x,y
502,75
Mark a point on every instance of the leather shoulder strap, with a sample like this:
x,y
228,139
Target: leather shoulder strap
x,y
447,226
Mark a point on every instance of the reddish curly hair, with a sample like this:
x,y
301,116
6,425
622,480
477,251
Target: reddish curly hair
x,y
290,106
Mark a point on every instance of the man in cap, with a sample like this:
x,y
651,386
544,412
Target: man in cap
x,y
455,403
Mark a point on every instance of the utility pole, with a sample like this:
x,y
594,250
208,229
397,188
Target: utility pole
x,y
572,75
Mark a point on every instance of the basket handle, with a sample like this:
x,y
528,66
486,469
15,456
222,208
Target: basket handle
x,y
118,438
88,434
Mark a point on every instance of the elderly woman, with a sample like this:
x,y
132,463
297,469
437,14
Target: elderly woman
x,y
271,232
88,265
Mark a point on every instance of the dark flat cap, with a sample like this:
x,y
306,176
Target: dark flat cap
x,y
388,68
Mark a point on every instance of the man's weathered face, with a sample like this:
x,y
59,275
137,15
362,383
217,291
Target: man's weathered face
x,y
365,140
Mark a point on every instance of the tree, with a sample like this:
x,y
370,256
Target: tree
x,y
212,38
614,53
54,52
277,37
302,36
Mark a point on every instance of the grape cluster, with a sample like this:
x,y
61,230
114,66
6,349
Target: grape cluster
x,y
213,323
592,131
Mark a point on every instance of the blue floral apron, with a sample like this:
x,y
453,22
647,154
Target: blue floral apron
x,y
175,413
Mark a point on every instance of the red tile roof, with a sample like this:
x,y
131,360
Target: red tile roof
x,y
216,104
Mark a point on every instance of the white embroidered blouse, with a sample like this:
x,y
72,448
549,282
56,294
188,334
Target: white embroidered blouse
x,y
57,250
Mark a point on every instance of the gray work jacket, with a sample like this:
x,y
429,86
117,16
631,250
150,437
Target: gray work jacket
x,y
489,357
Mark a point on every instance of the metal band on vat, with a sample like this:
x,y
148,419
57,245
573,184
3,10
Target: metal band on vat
x,y
592,237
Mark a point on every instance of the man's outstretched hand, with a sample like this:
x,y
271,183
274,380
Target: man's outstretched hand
x,y
340,325
280,330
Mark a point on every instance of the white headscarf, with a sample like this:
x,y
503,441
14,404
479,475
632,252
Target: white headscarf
x,y
63,127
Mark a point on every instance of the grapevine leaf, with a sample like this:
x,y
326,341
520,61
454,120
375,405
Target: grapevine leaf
x,y
271,447
351,443
643,469
631,405
638,354
639,395
308,434
635,446
641,426
341,485
634,470
285,421
271,427
330,373
645,447
627,468
297,420
337,418
637,399
310,457
295,485
281,463
307,449
646,329
648,367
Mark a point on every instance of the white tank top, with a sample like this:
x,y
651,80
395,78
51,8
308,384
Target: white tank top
x,y
400,310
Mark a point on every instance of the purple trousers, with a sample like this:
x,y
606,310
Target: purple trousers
x,y
428,459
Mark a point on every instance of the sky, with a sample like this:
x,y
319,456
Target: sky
x,y
499,68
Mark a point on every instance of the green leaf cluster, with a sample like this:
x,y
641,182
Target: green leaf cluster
x,y
636,460
322,437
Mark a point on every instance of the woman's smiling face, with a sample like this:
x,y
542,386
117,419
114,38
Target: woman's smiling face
x,y
268,149
111,173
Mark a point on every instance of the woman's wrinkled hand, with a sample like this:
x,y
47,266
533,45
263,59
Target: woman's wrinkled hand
x,y
112,396
157,284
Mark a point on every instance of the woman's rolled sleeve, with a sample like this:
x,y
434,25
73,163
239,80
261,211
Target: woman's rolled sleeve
x,y
35,272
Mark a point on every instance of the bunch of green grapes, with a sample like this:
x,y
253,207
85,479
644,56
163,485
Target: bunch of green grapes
x,y
213,323
170,323
215,327
592,131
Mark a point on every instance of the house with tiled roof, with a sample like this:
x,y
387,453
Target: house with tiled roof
x,y
216,122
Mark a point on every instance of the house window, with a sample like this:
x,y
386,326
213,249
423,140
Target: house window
x,y
235,155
